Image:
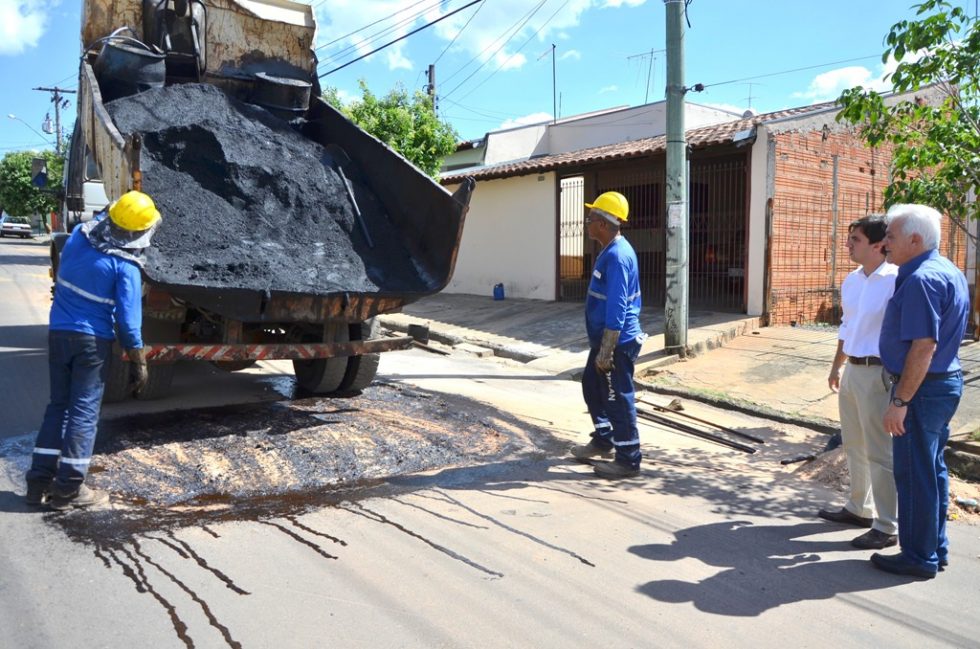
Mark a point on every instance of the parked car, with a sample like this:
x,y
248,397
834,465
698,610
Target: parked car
x,y
16,226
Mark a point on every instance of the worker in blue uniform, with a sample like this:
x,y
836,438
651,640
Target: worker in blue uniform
x,y
612,320
98,291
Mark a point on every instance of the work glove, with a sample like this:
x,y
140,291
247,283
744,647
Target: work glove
x,y
604,359
139,373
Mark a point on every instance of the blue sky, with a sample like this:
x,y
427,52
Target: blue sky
x,y
486,81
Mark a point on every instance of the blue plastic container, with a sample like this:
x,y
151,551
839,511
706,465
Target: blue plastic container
x,y
498,291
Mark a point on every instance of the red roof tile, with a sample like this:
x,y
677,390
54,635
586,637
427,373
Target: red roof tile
x,y
697,138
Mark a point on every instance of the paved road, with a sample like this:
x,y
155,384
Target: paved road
x,y
710,547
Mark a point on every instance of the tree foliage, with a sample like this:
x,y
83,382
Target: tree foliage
x,y
936,157
407,123
17,195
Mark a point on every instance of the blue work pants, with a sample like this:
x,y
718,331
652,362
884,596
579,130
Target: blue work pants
x,y
77,365
920,471
610,400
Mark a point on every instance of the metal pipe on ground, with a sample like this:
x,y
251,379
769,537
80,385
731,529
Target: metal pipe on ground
x,y
675,408
690,430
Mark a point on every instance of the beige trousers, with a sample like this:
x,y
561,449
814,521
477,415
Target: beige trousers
x,y
863,400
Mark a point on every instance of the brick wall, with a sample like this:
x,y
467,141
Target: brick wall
x,y
808,255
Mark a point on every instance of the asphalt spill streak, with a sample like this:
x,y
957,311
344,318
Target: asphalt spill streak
x,y
514,530
212,620
449,519
360,510
210,531
183,549
138,577
305,528
296,537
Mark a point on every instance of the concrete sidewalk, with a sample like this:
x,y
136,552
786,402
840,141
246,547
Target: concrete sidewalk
x,y
775,371
549,335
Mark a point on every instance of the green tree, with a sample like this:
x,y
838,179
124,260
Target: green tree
x,y
406,123
936,148
17,194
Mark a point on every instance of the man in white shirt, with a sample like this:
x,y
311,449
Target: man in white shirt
x,y
863,394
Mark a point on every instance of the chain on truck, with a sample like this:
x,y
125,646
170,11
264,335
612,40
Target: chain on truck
x,y
261,52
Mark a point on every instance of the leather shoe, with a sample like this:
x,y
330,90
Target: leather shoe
x,y
874,540
843,515
899,565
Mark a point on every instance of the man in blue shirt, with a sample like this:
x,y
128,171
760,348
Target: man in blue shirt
x,y
98,290
612,311
921,333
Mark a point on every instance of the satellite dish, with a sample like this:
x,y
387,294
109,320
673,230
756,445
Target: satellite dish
x,y
749,112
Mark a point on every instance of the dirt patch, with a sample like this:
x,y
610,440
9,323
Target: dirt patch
x,y
830,470
248,202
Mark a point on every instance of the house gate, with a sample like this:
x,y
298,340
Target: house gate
x,y
718,217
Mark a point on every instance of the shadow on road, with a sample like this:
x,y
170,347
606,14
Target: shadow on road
x,y
766,566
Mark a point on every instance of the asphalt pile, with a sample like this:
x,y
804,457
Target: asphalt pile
x,y
249,202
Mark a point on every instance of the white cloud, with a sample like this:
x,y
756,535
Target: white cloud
x,y
22,24
621,3
571,54
613,88
828,85
533,118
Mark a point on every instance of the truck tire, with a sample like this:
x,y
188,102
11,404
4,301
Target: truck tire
x,y
362,369
117,380
323,375
161,375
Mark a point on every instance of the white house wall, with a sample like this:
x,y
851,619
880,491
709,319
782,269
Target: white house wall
x,y
649,120
509,239
513,144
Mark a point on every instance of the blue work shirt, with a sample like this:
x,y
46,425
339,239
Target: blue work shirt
x,y
930,301
614,301
94,291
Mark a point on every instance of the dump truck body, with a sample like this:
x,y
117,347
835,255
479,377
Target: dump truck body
x,y
215,301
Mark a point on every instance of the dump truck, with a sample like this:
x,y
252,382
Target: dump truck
x,y
256,53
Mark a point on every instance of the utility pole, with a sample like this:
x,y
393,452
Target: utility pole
x,y
653,59
56,98
430,88
676,307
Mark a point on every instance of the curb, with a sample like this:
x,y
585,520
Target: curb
x,y
820,425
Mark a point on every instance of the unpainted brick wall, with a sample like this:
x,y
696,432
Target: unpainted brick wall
x,y
808,253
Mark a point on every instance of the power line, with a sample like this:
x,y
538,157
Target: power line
x,y
502,45
523,45
377,36
808,67
469,20
401,38
525,18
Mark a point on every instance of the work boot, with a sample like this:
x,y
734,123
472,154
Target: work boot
x,y
615,470
874,540
83,497
586,452
37,492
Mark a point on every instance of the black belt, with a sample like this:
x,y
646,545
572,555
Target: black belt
x,y
864,360
931,376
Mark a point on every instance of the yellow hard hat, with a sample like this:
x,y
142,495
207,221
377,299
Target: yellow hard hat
x,y
134,211
612,203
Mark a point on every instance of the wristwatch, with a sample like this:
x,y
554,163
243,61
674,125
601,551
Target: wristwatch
x,y
898,401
